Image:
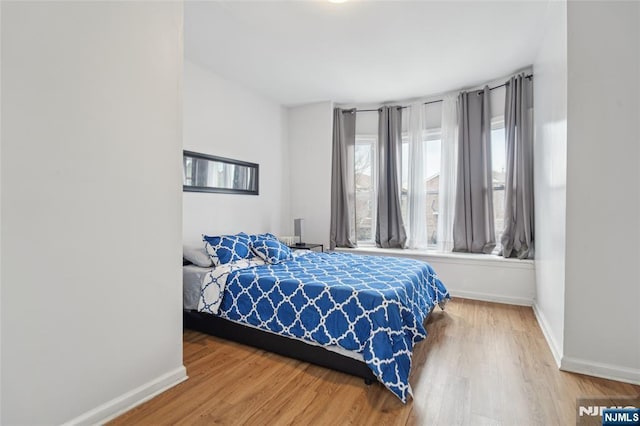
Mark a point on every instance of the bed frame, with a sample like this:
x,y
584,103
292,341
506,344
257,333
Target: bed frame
x,y
292,348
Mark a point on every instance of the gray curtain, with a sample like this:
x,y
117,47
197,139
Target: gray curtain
x,y
342,179
200,172
473,228
517,237
390,231
240,177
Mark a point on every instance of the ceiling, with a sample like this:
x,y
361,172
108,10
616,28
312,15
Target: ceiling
x,y
296,52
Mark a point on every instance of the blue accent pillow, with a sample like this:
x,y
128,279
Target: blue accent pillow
x,y
271,251
228,248
267,236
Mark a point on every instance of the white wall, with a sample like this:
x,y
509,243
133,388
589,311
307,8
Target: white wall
x,y
0,220
550,169
602,319
91,172
225,119
310,133
511,281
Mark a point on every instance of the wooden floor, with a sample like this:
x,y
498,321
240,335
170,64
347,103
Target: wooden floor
x,y
482,364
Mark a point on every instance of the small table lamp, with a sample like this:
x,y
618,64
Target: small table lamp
x,y
297,230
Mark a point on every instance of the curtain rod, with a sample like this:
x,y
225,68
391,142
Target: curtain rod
x,y
530,76
377,109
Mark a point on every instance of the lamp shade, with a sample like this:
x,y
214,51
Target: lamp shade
x,y
297,229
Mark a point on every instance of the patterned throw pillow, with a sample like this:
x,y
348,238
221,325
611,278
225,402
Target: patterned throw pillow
x,y
267,236
228,248
271,251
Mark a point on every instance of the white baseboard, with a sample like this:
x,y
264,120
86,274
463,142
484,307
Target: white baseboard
x,y
117,406
582,366
486,297
597,369
546,332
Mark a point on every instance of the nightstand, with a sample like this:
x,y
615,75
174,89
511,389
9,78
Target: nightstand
x,y
307,246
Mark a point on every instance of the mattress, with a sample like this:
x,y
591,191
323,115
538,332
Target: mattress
x,y
192,277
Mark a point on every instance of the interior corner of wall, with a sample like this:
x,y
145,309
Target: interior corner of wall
x,y
555,348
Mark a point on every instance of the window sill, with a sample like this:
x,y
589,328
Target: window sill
x,y
440,257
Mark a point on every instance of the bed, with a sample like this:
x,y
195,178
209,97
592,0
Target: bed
x,y
361,315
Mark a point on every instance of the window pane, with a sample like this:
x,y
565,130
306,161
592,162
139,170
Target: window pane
x,y
431,183
365,194
404,183
432,186
498,159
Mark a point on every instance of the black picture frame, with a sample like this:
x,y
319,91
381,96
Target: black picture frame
x,y
254,171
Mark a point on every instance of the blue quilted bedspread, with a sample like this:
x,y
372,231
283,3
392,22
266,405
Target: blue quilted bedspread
x,y
368,304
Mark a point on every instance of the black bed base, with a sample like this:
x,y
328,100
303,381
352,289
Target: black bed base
x,y
292,348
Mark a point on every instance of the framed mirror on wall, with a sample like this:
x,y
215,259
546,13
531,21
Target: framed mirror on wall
x,y
209,173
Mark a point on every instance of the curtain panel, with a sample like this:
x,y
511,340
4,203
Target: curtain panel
x,y
390,230
342,230
448,172
517,237
417,236
473,225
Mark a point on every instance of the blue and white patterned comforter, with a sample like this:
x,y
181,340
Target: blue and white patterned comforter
x,y
368,304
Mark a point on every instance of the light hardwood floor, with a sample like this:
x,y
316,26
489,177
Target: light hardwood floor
x,y
482,364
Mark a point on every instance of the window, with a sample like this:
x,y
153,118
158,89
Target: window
x,y
429,168
365,178
498,165
431,151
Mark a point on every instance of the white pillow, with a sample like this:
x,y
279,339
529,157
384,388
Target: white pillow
x,y
197,255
